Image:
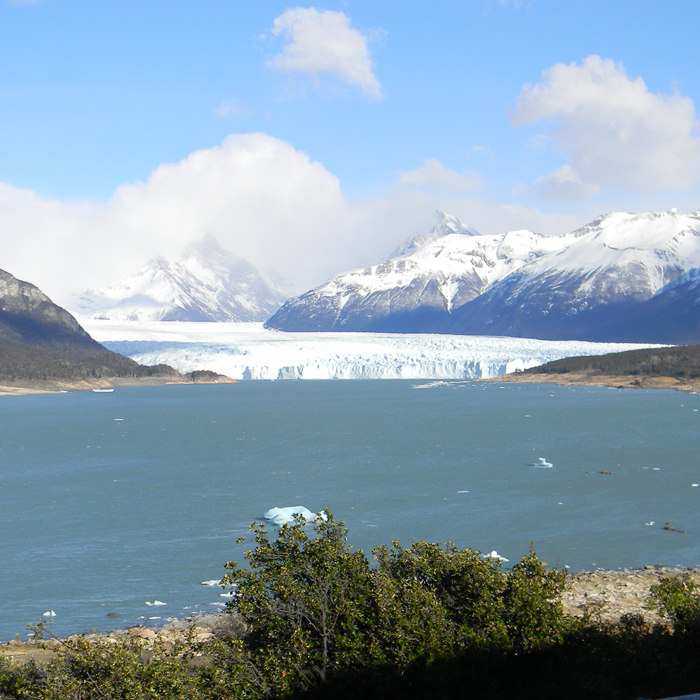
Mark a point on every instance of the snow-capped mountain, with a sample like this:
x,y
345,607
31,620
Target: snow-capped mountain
x,y
605,281
207,284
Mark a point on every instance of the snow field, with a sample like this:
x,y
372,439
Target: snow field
x,y
248,351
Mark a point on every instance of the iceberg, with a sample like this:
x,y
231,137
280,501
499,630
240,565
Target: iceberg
x,y
542,463
495,555
249,351
285,516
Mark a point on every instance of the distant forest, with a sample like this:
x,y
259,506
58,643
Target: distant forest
x,y
681,362
20,362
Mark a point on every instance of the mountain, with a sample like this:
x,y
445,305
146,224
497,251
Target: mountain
x,y
40,341
418,288
207,284
623,278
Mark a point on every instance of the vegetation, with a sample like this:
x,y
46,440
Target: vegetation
x,y
427,621
680,362
21,362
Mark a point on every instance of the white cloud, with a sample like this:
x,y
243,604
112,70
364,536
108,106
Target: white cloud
x,y
233,108
564,183
482,151
261,198
323,42
433,172
612,129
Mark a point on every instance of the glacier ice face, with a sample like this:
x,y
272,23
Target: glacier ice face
x,y
285,516
248,351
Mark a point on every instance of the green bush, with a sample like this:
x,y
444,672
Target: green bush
x,y
678,600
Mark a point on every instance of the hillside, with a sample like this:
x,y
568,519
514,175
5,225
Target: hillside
x,y
40,341
677,362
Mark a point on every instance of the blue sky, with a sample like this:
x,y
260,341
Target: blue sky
x,y
325,134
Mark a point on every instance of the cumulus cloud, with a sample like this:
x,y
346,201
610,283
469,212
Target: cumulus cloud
x,y
261,198
233,108
433,172
323,42
612,129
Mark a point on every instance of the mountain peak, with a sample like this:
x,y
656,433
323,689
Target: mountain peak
x,y
207,246
207,284
445,225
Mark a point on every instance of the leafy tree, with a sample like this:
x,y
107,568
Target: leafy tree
x,y
444,599
533,611
308,598
677,599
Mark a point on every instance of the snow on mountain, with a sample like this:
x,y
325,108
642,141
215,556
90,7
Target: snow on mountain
x,y
418,290
444,226
588,284
597,287
207,284
248,351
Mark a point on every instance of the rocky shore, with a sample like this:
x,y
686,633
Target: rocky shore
x,y
597,379
610,594
26,387
606,595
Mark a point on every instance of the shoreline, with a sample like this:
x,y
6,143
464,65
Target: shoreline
x,y
605,594
592,379
58,386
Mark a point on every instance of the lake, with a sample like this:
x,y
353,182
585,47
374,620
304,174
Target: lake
x,y
109,501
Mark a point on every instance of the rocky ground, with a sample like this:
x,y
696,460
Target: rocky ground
x,y
597,379
605,594
23,388
610,594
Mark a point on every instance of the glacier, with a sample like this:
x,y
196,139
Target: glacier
x,y
247,351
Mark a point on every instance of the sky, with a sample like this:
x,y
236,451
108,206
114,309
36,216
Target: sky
x,y
311,139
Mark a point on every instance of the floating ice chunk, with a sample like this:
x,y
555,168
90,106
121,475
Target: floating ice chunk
x,y
494,555
49,613
542,463
651,522
695,485
155,602
211,582
285,516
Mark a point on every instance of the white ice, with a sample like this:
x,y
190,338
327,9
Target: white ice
x,y
494,555
285,516
248,351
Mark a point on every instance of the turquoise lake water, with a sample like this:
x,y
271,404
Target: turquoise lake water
x,y
111,500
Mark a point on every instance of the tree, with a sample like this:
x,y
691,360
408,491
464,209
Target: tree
x,y
308,599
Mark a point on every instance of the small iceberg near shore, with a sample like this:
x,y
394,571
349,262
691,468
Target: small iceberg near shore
x,y
285,516
542,463
494,555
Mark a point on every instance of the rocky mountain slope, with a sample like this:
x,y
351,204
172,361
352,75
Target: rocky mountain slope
x,y
622,278
40,341
207,284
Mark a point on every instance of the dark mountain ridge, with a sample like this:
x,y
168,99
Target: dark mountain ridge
x,y
40,341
